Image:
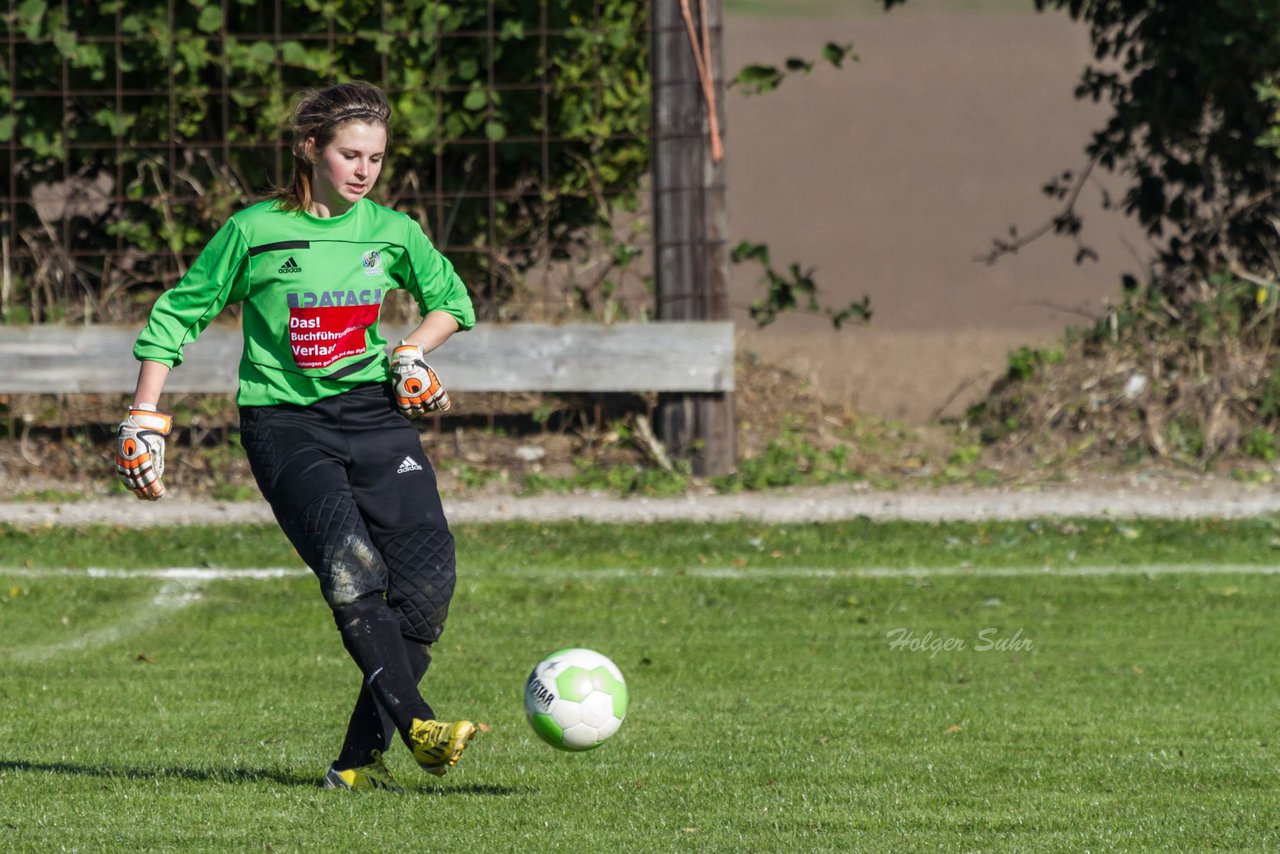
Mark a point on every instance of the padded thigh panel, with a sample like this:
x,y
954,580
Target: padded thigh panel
x,y
331,537
422,576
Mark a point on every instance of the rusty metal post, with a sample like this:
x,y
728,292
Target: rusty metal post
x,y
691,254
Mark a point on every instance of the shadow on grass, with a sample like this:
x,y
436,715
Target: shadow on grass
x,y
233,775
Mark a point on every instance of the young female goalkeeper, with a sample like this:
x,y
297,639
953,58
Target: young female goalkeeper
x,y
324,412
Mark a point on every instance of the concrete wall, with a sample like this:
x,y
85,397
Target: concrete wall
x,y
890,176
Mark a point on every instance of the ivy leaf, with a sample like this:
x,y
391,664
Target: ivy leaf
x,y
454,127
117,124
495,131
747,251
758,79
476,100
262,53
41,143
65,42
783,292
859,310
293,53
31,15
836,54
210,20
88,56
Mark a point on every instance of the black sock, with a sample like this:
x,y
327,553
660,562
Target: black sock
x,y
371,634
370,728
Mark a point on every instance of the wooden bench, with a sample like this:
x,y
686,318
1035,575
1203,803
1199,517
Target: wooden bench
x,y
520,357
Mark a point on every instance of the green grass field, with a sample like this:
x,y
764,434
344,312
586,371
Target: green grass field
x,y
854,686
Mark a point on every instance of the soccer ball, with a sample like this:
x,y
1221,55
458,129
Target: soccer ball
x,y
575,699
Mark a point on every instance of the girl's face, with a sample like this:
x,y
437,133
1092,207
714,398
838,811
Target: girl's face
x,y
345,171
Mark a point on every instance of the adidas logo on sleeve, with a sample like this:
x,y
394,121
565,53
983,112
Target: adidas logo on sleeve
x,y
408,465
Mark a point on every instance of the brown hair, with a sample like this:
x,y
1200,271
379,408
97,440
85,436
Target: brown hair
x,y
317,116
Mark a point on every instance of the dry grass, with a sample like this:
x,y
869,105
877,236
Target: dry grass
x,y
1191,385
57,447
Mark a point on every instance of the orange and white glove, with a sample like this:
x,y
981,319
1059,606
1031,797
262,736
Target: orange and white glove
x,y
418,389
140,451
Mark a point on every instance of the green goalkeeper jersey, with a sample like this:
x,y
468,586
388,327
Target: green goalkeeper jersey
x,y
312,291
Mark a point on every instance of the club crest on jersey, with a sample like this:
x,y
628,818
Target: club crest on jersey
x,y
372,263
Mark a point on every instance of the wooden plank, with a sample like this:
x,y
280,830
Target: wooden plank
x,y
690,222
631,357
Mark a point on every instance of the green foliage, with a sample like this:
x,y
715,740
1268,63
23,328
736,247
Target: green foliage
x,y
1262,445
791,459
234,492
1186,106
475,477
520,144
50,496
1223,311
757,79
1269,397
1193,129
516,149
1268,92
618,479
1188,379
1025,361
791,291
966,455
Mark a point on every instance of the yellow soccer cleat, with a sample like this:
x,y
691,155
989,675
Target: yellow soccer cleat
x,y
375,775
438,745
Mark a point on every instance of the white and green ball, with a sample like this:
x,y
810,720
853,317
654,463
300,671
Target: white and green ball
x,y
575,699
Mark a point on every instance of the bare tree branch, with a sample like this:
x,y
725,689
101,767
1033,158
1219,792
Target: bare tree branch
x,y
1059,222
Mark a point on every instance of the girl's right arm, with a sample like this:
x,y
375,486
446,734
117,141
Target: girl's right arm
x,y
140,439
151,377
218,276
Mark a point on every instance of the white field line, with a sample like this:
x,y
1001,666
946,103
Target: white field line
x,y
171,597
195,575
176,573
184,585
751,573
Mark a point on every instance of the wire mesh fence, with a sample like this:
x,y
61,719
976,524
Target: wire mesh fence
x,y
130,131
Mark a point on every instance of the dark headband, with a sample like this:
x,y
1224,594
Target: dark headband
x,y
357,113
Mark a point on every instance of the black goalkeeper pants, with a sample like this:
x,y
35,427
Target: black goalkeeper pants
x,y
353,491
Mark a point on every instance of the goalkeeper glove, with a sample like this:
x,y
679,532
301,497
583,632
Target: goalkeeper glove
x,y
418,389
140,451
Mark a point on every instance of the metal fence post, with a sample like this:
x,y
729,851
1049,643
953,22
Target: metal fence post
x,y
691,256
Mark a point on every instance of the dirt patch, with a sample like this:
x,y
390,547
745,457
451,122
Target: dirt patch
x,y
489,444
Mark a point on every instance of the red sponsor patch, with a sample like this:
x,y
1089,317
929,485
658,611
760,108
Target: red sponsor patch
x,y
321,336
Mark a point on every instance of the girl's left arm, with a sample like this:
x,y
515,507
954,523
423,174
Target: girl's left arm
x,y
441,295
434,330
